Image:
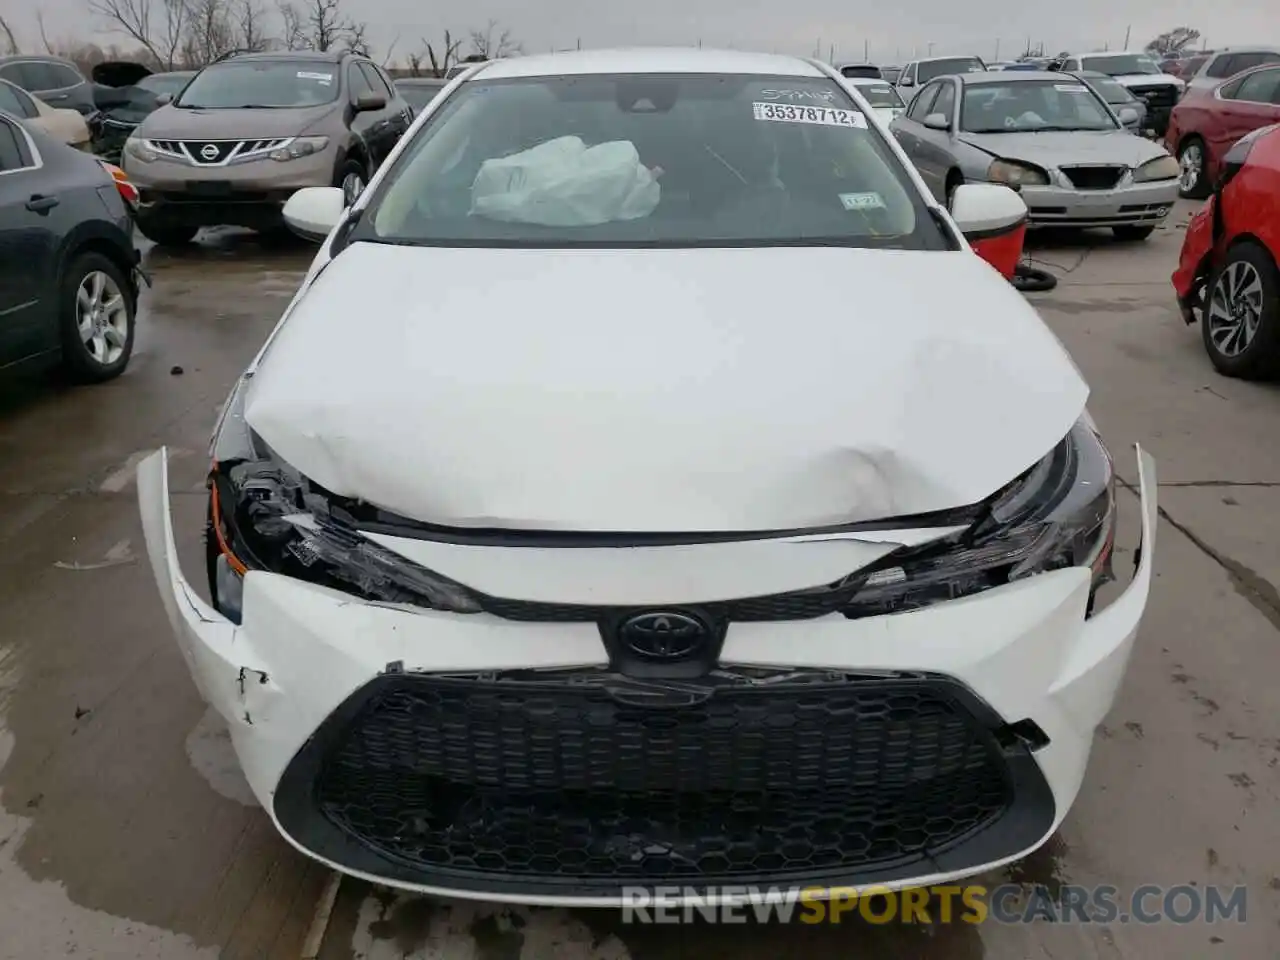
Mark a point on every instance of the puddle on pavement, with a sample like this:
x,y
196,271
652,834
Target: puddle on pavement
x,y
212,756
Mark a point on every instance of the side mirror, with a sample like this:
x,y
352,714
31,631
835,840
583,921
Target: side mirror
x,y
906,82
937,121
370,101
986,209
313,212
164,99
1129,116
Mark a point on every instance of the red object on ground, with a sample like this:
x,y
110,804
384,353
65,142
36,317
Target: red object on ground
x,y
1002,251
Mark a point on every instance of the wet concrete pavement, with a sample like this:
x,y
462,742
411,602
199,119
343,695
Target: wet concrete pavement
x,y
126,830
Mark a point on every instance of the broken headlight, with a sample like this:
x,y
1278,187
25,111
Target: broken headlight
x,y
264,515
1060,513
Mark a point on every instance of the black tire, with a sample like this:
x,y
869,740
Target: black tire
x,y
1260,358
165,233
81,359
352,167
1132,233
1201,188
954,179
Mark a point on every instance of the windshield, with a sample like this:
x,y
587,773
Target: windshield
x,y
1120,64
929,69
650,160
1030,106
880,94
262,83
891,73
161,83
418,95
1112,91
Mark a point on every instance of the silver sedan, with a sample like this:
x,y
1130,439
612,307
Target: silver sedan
x,y
1048,135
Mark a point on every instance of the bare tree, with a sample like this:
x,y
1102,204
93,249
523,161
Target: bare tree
x,y
443,57
321,25
44,33
493,42
11,45
210,32
251,25
1173,41
160,27
293,34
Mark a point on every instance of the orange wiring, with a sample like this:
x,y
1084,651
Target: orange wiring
x,y
215,507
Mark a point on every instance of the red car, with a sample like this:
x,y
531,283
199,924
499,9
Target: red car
x,y
1205,124
1228,278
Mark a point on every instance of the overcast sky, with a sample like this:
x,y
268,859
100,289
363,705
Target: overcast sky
x,y
892,29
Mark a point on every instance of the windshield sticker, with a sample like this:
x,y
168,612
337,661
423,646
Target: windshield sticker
x,y
1070,87
321,77
862,201
811,96
822,116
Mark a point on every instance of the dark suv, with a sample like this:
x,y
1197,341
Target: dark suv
x,y
57,82
248,131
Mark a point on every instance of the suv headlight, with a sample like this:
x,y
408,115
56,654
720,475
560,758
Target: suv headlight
x,y
1060,513
1161,168
139,149
299,147
264,515
1016,174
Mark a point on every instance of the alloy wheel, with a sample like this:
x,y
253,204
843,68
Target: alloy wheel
x,y
102,317
1235,308
1191,167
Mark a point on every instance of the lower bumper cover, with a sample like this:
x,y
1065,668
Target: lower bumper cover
x,y
1135,204
473,756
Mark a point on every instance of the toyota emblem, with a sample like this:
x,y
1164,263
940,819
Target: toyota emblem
x,y
664,636
209,151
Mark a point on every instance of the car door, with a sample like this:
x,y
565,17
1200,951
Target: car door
x,y
368,125
1245,104
933,156
28,298
389,123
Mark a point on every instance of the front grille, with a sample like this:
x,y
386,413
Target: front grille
x,y
796,605
1094,177
579,779
1156,95
214,152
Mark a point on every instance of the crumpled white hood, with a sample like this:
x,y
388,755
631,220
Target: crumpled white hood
x,y
662,390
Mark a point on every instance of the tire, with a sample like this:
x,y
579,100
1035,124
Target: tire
x,y
1193,182
165,233
1132,233
1243,290
352,178
97,314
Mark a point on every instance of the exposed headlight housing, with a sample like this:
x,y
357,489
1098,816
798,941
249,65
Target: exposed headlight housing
x,y
1060,513
264,515
1016,175
1161,168
299,147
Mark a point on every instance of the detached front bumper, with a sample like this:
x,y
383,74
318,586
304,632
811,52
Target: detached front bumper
x,y
476,756
1132,205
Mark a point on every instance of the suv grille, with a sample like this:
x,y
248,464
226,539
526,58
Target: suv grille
x,y
214,152
572,778
1157,95
1094,178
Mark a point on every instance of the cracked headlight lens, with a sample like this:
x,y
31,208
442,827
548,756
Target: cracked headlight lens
x,y
264,515
1060,513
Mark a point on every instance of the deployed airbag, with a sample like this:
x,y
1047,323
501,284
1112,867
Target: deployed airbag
x,y
565,183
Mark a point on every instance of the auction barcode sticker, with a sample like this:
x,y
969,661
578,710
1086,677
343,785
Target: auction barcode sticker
x,y
824,116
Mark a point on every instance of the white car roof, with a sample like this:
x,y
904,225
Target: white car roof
x,y
650,60
868,81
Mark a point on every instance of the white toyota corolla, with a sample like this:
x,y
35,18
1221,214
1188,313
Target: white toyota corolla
x,y
648,485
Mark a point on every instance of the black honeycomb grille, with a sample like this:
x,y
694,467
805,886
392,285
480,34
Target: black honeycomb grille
x,y
564,781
